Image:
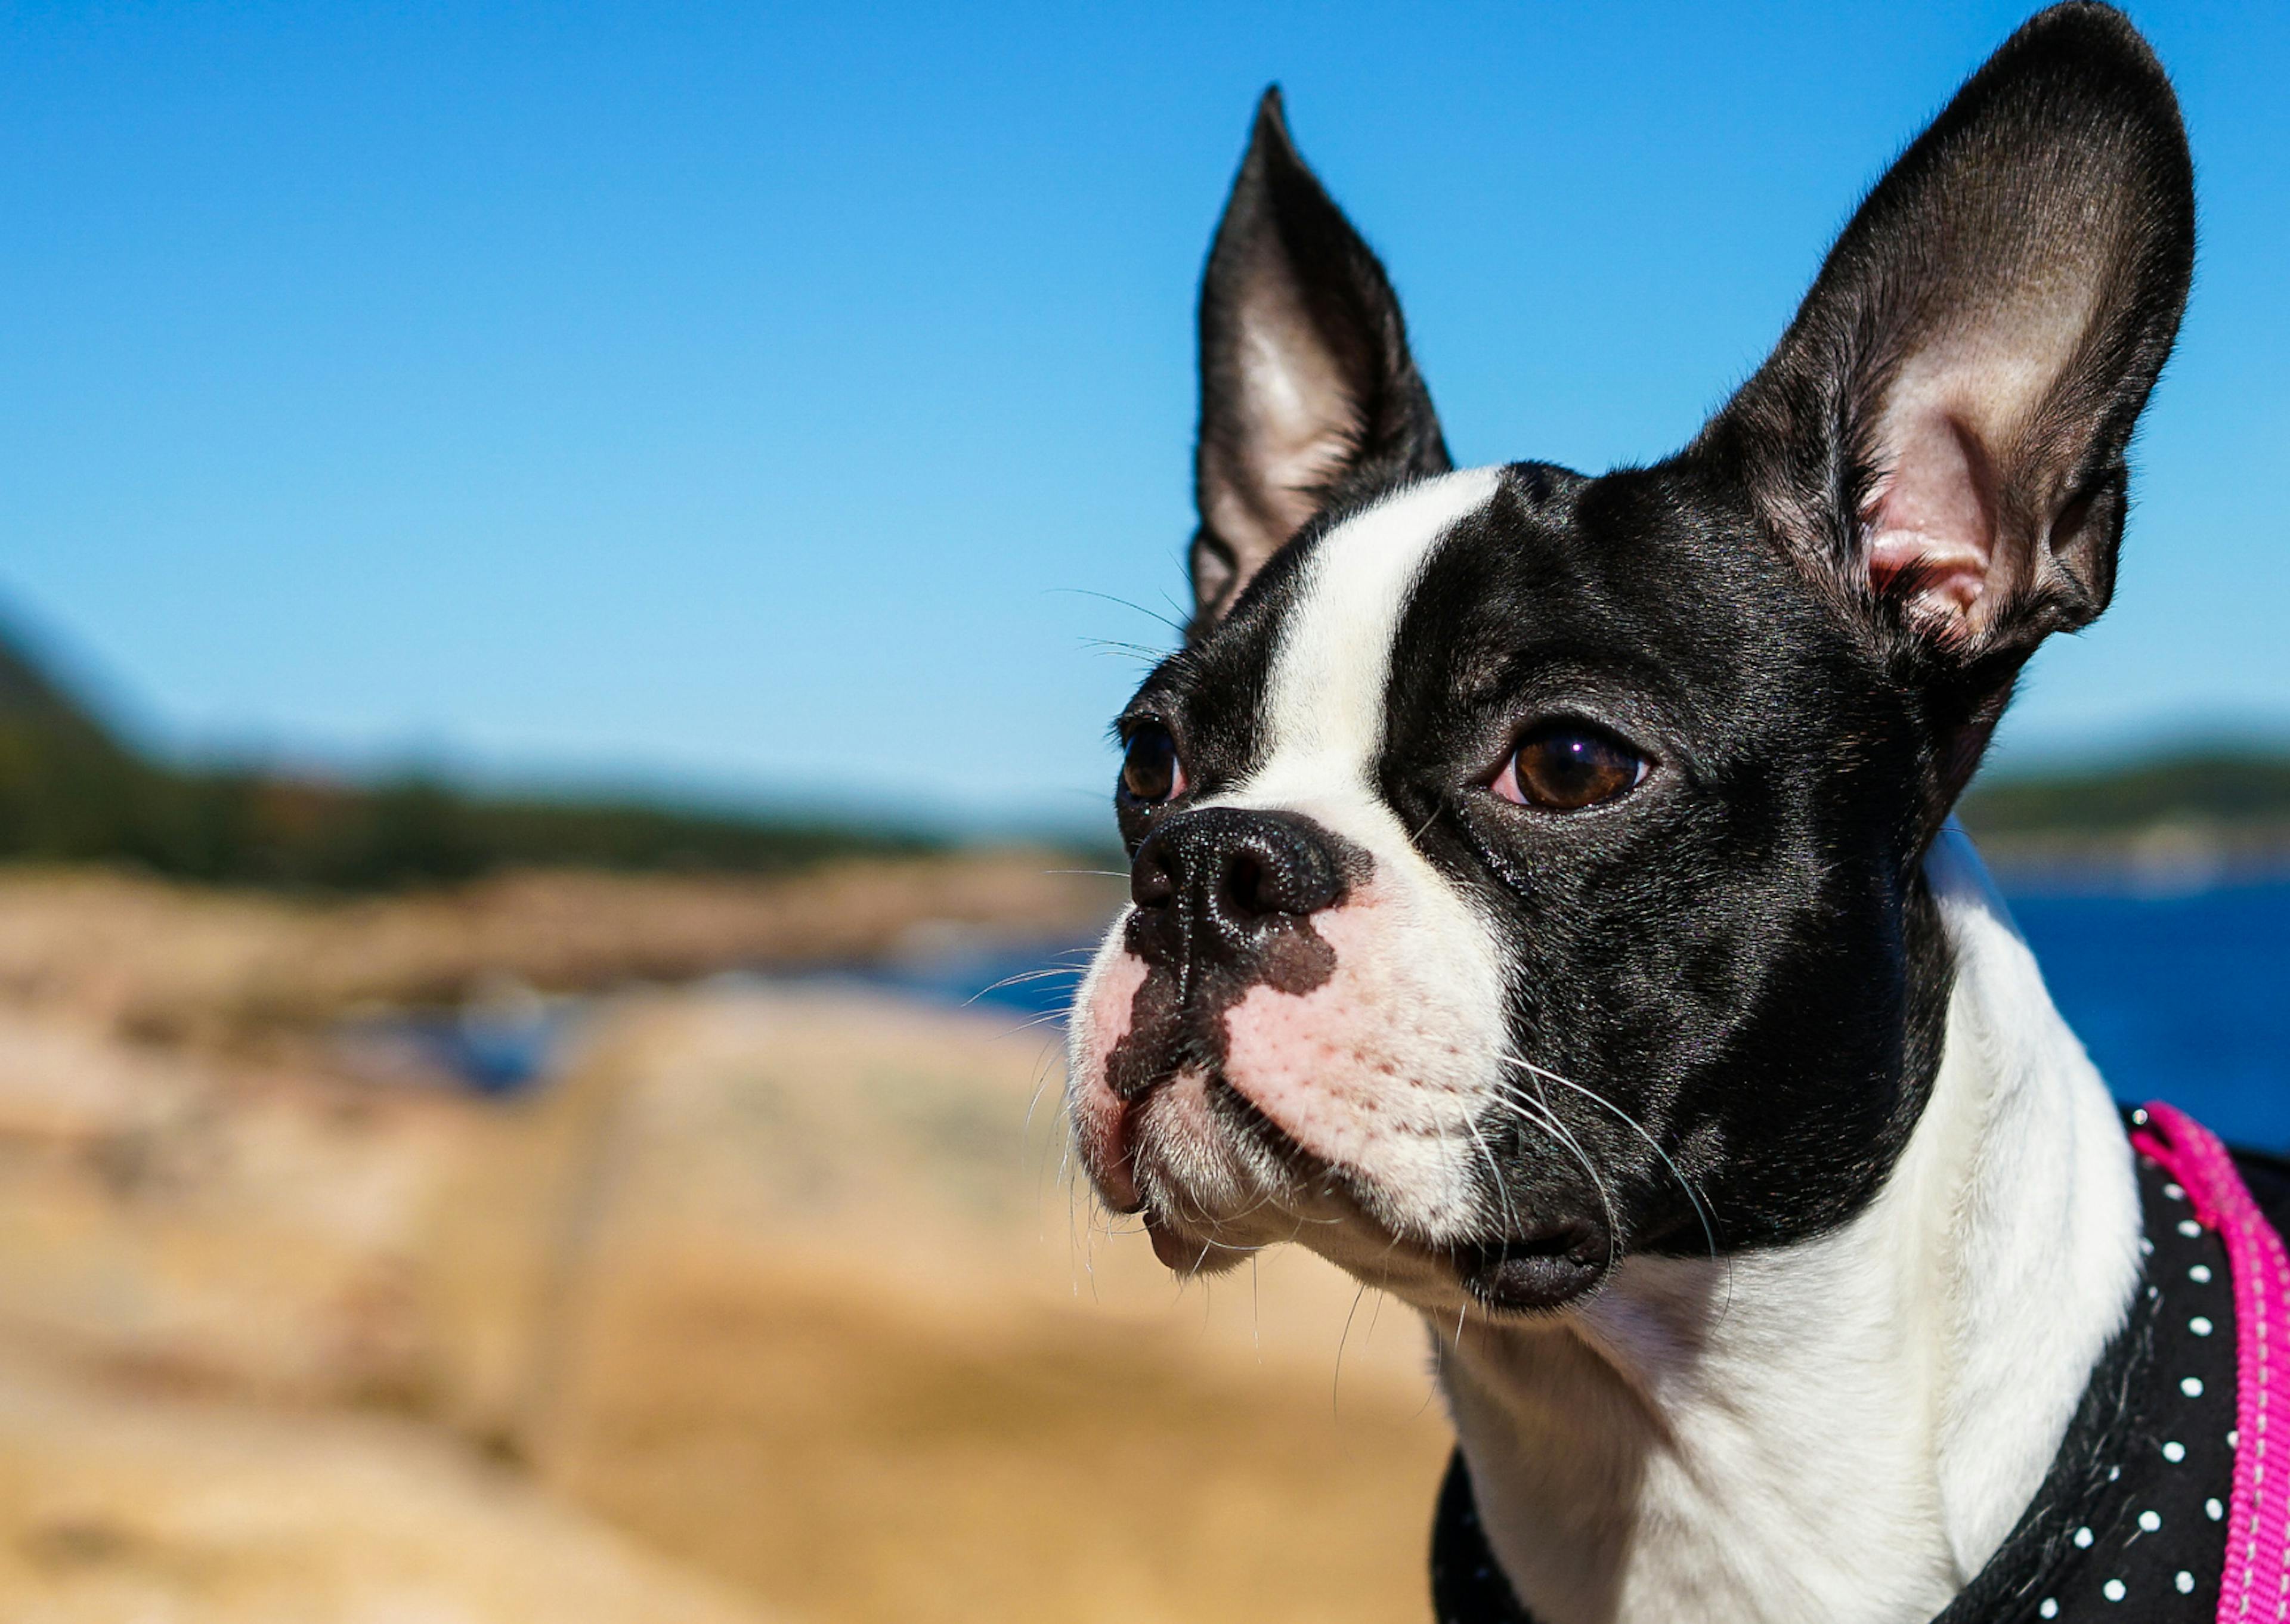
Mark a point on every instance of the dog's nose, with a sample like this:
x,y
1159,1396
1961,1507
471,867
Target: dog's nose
x,y
1220,881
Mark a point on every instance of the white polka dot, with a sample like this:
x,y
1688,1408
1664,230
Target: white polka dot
x,y
2185,1581
2189,1227
2047,1609
2192,1387
2139,1116
2174,1451
2114,1472
2234,1437
2201,1273
2199,1326
2146,1247
2149,1521
2112,1589
2083,1538
2153,1292
2214,1510
2175,1192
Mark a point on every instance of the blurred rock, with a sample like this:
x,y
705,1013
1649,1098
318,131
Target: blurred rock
x,y
119,1507
824,1320
249,1230
784,1283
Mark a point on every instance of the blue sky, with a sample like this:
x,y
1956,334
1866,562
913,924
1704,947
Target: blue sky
x,y
756,401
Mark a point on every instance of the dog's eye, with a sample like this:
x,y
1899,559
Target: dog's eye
x,y
1566,766
1150,772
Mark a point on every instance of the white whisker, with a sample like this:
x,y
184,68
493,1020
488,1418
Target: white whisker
x,y
1708,1229
1542,1116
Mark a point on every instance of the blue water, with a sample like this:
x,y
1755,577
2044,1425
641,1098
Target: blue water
x,y
2183,998
1036,981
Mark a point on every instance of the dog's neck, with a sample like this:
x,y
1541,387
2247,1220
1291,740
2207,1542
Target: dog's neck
x,y
1843,1430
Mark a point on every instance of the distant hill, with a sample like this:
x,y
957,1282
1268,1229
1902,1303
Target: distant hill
x,y
31,697
2205,810
2222,788
73,790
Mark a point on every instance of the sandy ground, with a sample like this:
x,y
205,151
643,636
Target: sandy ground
x,y
774,1306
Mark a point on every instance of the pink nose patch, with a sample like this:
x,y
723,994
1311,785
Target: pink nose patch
x,y
1346,1068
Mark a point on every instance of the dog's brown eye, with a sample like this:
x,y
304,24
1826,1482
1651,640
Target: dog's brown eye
x,y
1567,767
1151,773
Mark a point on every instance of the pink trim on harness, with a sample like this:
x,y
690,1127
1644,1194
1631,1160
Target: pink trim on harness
x,y
2257,1580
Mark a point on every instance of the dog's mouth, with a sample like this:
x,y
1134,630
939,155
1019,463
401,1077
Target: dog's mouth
x,y
1542,1268
1279,1161
1206,1170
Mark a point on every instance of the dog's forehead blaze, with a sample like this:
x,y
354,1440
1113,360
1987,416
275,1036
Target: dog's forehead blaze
x,y
1323,719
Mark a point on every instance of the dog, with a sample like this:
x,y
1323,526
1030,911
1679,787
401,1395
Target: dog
x,y
1546,902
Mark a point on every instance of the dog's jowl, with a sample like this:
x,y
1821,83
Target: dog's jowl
x,y
1545,905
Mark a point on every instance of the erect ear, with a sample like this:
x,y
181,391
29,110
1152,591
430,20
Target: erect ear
x,y
1307,393
1944,428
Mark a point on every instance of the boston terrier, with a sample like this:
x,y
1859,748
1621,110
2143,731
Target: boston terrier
x,y
1546,904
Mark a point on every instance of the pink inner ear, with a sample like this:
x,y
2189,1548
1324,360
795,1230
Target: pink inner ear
x,y
1935,512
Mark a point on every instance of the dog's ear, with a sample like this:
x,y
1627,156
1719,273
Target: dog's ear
x,y
1941,432
1307,393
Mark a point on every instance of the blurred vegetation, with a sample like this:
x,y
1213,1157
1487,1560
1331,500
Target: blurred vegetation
x,y
2246,790
72,791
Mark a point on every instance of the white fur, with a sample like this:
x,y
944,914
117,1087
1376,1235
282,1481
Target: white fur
x,y
1325,703
1841,1431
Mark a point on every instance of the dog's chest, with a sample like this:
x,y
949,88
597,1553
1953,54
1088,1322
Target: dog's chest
x,y
2132,1520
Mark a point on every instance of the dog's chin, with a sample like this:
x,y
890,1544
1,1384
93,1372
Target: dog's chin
x,y
1182,1251
1537,1274
1215,1182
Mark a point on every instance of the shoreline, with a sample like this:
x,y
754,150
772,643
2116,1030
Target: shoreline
x,y
2166,859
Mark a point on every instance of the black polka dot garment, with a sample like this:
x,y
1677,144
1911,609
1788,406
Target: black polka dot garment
x,y
2130,1521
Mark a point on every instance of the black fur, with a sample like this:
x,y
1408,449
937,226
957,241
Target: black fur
x,y
1741,954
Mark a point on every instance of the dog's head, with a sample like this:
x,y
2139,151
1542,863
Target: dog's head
x,y
1527,866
